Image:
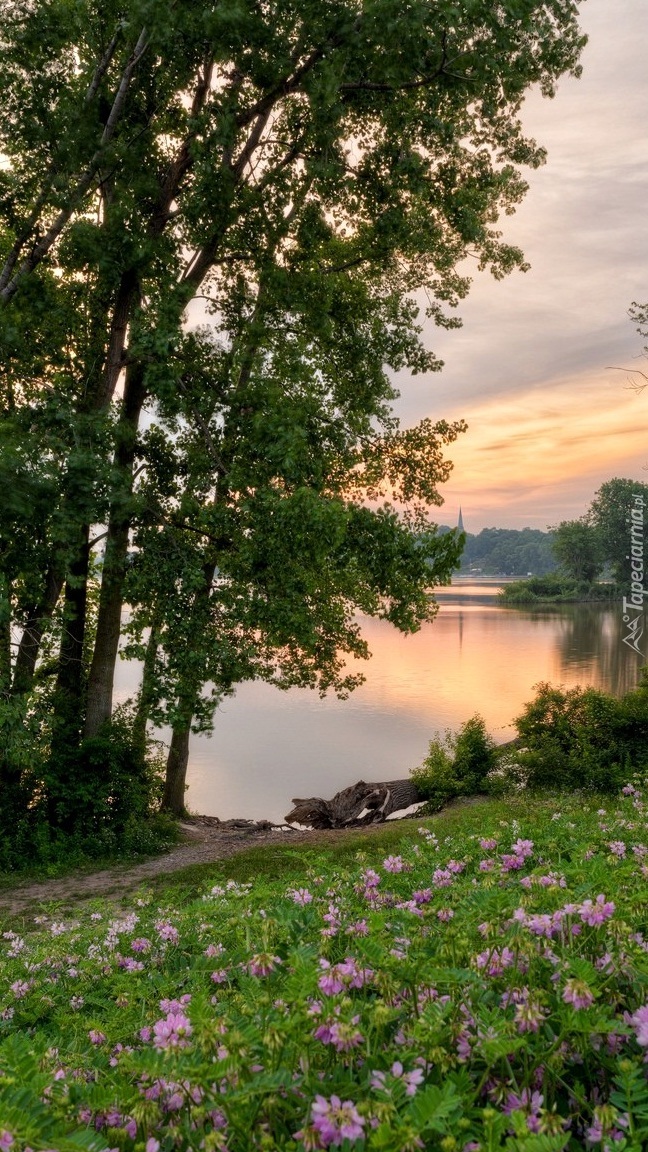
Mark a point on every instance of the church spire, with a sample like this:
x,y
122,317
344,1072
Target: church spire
x,y
460,523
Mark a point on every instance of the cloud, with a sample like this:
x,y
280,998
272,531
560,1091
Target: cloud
x,y
549,421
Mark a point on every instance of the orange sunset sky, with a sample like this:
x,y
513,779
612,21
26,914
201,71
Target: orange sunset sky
x,y
530,370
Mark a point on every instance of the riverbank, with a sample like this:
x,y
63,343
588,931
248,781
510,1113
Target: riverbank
x,y
557,590
205,842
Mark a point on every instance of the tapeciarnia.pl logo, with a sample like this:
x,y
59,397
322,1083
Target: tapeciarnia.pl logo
x,y
634,603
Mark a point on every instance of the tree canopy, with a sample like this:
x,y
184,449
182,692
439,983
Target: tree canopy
x,y
214,221
604,537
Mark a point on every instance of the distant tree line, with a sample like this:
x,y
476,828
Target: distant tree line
x,y
508,552
606,542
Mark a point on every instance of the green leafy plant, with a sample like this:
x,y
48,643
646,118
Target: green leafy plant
x,y
583,738
482,988
101,799
457,764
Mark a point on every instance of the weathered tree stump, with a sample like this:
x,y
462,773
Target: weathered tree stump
x,y
352,807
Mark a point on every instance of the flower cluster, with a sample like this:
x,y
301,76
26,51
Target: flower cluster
x,y
481,986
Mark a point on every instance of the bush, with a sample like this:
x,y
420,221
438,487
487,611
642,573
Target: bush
x,y
583,738
100,799
456,765
555,589
103,784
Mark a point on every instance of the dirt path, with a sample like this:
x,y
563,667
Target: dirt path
x,y
206,840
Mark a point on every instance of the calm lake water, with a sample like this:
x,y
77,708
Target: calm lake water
x,y
269,746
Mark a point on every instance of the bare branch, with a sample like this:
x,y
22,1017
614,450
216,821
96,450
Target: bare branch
x,y
634,385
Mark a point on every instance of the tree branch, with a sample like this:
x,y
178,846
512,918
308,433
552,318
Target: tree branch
x,y
43,246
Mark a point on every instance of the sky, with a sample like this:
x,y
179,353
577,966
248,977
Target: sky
x,y
532,368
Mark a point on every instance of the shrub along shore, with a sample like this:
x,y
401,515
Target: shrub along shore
x,y
477,982
557,589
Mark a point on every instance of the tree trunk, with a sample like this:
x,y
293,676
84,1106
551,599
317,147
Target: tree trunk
x,y
360,804
5,635
67,718
111,602
70,672
173,799
99,395
146,693
187,691
32,634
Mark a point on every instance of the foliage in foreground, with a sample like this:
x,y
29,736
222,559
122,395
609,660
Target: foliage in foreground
x,y
477,991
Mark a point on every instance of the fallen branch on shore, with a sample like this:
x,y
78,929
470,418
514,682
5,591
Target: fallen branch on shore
x,y
355,806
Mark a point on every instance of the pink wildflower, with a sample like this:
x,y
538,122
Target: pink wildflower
x,y
488,844
345,1036
141,944
578,994
542,924
370,878
129,964
527,1102
422,896
494,962
167,932
332,918
596,912
639,1021
176,1005
359,928
6,1140
171,1032
344,975
523,848
412,1080
300,895
263,964
442,878
528,1016
335,1120
96,1037
213,950
395,864
617,848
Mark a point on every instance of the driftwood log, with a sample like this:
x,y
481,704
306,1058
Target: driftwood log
x,y
352,807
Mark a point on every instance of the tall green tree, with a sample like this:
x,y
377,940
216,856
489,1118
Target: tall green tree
x,y
610,515
300,170
577,547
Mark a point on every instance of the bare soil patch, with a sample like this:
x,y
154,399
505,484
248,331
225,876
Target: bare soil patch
x,y
205,841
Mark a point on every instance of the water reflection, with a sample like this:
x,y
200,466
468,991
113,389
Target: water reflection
x,y
476,657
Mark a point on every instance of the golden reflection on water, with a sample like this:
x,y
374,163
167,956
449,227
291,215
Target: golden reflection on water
x,y
476,657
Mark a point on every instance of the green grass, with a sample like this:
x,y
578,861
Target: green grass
x,y
446,979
